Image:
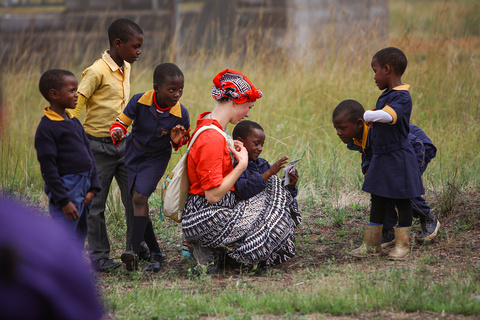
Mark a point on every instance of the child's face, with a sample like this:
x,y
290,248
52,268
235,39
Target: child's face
x,y
169,92
254,143
380,76
67,96
348,129
130,50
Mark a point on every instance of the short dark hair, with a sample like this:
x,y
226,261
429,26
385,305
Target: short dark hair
x,y
243,128
166,71
393,57
123,29
352,107
52,79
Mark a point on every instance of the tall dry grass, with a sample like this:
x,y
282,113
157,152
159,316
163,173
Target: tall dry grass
x,y
299,96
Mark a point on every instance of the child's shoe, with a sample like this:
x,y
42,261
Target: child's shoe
x,y
429,230
388,237
402,240
371,246
105,265
130,259
155,262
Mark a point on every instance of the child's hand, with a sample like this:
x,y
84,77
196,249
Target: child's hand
x,y
88,197
240,153
70,211
118,134
293,175
280,164
177,133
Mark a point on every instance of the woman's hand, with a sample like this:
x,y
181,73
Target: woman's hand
x,y
118,134
240,153
177,133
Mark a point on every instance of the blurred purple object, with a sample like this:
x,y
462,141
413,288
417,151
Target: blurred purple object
x,y
42,273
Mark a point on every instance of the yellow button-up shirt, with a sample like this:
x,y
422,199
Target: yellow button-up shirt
x,y
105,90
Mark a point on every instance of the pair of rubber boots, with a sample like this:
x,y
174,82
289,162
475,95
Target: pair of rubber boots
x,y
372,238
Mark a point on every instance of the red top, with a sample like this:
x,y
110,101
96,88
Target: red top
x,y
209,158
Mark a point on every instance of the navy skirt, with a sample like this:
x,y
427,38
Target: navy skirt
x,y
145,169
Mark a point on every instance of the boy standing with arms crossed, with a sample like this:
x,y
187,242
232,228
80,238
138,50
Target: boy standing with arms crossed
x,y
105,90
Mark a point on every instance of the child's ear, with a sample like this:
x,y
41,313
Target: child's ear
x,y
240,139
387,68
117,43
53,94
155,87
360,122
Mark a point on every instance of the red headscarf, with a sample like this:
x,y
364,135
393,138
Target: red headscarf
x,y
233,85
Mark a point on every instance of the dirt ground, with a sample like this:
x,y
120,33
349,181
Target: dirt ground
x,y
457,243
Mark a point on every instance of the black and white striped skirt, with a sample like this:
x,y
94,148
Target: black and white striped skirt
x,y
259,230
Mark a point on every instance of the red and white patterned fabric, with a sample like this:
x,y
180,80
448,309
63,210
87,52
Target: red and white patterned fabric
x,y
231,85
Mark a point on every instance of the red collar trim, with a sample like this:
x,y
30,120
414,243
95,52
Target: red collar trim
x,y
156,105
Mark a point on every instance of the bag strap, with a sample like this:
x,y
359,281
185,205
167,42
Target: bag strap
x,y
212,126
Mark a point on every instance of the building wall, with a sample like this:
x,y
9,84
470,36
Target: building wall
x,y
299,28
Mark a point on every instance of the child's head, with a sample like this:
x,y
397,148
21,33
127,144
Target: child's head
x,y
59,87
126,39
347,119
252,136
387,63
168,82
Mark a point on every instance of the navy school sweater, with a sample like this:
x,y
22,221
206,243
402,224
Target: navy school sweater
x,y
63,148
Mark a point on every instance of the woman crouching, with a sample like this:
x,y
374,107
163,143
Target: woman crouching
x,y
257,231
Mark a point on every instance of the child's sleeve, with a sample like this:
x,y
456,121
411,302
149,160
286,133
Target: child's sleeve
x,y
293,192
365,163
47,155
429,147
250,182
80,104
377,116
90,82
124,120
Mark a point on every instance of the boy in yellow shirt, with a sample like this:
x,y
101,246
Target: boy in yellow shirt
x,y
104,90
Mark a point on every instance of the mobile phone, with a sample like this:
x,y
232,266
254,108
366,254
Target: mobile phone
x,y
291,167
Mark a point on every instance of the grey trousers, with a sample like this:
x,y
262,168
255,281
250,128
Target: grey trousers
x,y
110,161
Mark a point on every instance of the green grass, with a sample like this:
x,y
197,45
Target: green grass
x,y
442,44
339,291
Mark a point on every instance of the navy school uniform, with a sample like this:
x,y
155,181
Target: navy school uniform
x,y
393,171
149,148
251,181
68,168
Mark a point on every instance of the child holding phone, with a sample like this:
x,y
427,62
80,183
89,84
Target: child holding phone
x,y
254,179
